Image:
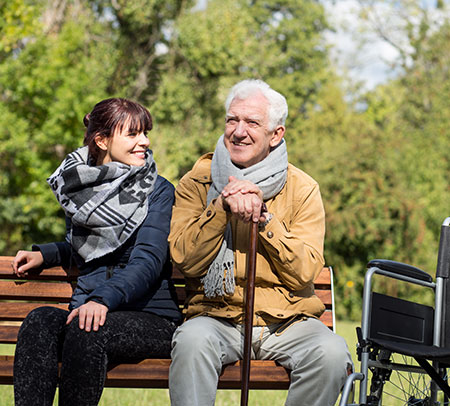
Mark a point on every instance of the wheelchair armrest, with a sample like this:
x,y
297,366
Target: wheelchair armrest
x,y
401,269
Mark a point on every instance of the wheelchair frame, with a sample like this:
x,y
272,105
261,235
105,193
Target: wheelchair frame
x,y
421,339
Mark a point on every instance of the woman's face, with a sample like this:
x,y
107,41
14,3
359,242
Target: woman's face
x,y
124,146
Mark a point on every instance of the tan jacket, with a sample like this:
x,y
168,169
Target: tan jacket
x,y
290,248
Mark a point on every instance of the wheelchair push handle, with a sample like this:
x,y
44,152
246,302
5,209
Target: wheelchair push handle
x,y
399,268
443,263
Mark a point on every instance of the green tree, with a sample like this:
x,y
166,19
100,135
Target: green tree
x,y
49,78
142,35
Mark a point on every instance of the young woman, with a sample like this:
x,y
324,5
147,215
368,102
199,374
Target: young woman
x,y
118,213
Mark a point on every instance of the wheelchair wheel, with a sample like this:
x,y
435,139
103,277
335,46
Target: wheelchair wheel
x,y
397,380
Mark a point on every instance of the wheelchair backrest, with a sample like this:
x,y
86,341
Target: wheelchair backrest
x,y
400,320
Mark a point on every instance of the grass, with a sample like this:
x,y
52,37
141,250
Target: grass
x,y
160,397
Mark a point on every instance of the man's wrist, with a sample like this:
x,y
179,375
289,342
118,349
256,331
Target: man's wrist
x,y
268,217
225,204
221,203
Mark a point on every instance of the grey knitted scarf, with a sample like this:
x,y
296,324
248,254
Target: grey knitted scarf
x,y
270,176
106,203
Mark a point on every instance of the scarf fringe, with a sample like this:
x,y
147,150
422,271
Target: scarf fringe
x,y
219,280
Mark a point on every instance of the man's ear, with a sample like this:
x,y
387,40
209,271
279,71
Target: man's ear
x,y
277,136
102,142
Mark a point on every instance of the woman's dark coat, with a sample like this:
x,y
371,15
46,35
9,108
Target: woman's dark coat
x,y
136,276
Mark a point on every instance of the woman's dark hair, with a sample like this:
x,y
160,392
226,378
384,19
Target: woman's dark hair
x,y
111,114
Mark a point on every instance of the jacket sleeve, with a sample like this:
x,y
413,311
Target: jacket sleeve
x,y
148,255
55,253
196,229
295,246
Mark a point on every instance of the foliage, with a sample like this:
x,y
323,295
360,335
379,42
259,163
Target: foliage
x,y
19,20
371,212
47,85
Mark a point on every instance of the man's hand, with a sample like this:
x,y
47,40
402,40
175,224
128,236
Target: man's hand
x,y
25,260
240,186
243,199
91,315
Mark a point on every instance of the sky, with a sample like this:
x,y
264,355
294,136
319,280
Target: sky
x,y
371,63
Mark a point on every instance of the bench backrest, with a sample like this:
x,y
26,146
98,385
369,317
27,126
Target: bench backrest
x,y
54,287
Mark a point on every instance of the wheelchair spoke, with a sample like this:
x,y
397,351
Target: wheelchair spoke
x,y
400,382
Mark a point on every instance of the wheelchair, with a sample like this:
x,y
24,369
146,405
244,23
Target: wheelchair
x,y
405,345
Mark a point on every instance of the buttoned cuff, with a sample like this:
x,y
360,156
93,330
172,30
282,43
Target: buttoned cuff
x,y
271,231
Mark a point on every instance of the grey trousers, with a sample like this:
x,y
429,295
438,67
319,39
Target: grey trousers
x,y
317,357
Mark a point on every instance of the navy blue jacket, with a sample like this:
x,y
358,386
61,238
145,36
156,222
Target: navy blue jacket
x,y
136,276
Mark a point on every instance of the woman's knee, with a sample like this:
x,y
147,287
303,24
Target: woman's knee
x,y
47,315
77,338
44,319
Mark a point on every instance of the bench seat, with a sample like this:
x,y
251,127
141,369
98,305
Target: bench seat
x,y
54,287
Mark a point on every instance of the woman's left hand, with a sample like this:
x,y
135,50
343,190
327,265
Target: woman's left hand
x,y
91,315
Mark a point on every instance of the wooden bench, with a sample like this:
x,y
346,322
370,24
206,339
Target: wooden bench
x,y
54,287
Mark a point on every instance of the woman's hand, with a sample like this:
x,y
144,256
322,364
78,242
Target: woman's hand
x,y
91,315
25,260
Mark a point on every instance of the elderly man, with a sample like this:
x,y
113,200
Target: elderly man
x,y
248,178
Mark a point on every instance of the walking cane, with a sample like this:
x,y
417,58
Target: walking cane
x,y
249,305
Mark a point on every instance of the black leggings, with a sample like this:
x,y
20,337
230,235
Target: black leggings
x,y
44,339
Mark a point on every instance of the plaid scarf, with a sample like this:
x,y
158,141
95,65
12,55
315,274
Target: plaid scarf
x,y
105,203
270,176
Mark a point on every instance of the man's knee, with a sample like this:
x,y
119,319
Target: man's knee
x,y
332,350
191,340
337,350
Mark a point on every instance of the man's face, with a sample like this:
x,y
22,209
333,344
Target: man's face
x,y
247,136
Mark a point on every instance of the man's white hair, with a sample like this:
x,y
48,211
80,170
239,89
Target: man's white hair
x,y
278,108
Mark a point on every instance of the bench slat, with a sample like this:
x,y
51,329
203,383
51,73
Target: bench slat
x,y
8,334
153,373
6,369
325,296
324,278
327,318
263,375
57,273
57,291
53,274
17,311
